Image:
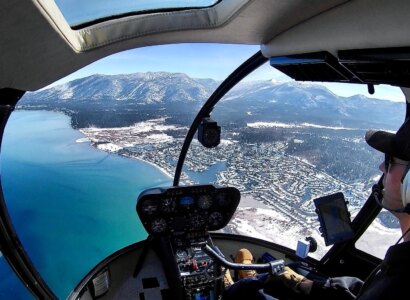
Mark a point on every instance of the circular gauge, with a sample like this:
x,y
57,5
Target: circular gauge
x,y
223,199
205,201
168,205
149,208
215,219
197,221
158,225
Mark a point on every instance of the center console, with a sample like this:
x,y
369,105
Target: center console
x,y
182,217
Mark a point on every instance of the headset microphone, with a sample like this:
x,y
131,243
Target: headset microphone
x,y
376,194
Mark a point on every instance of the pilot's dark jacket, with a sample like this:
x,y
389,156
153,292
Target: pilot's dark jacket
x,y
390,280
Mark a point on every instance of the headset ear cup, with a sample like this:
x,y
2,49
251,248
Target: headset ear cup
x,y
405,188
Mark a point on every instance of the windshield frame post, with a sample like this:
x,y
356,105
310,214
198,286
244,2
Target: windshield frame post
x,y
250,65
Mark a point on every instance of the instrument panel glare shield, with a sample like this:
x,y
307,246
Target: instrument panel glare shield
x,y
188,209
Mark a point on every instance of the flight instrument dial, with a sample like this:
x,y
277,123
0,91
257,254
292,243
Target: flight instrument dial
x,y
215,219
197,221
168,205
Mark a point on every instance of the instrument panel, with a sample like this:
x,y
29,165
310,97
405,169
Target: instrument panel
x,y
187,209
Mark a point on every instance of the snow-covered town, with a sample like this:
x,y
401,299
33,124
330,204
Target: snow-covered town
x,y
277,189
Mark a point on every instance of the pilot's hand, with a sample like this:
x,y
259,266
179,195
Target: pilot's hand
x,y
290,279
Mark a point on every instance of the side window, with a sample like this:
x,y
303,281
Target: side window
x,y
294,142
384,230
381,234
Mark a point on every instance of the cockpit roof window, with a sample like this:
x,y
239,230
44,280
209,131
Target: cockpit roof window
x,y
81,13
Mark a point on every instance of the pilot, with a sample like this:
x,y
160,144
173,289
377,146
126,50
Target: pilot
x,y
389,280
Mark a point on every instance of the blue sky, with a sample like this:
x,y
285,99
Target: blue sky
x,y
214,61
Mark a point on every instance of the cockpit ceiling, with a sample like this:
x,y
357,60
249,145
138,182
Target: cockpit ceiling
x,y
39,47
354,25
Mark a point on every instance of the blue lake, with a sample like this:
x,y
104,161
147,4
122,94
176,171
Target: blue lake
x,y
71,204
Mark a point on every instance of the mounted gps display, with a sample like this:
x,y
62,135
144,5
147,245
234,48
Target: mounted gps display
x,y
334,218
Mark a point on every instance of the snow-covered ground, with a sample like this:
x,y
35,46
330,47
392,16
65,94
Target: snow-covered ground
x,y
143,133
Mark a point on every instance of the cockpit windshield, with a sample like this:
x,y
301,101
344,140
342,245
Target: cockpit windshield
x,y
77,155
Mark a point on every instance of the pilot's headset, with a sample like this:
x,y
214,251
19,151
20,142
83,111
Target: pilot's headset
x,y
405,189
402,141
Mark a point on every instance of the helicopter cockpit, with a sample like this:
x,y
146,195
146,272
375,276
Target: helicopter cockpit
x,y
188,256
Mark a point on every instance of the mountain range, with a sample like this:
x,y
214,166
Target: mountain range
x,y
178,94
141,88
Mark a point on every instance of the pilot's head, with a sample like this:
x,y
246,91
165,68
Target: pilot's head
x,y
396,147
